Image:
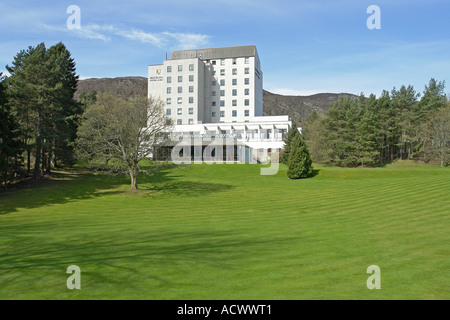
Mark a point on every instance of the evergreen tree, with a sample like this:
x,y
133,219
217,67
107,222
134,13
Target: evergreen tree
x,y
341,131
293,132
403,105
67,111
41,86
433,99
10,146
368,134
313,133
299,162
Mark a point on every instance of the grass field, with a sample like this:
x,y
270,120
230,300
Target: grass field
x,y
226,232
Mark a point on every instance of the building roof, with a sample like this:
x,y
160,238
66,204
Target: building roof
x,y
216,53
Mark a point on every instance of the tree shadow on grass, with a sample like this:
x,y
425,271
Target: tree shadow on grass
x,y
315,173
65,187
61,187
133,256
161,184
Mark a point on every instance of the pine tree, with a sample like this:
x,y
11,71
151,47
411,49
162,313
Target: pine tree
x,y
293,132
66,110
41,87
299,162
10,145
313,133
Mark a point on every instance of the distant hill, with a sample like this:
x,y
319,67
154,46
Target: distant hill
x,y
297,107
123,86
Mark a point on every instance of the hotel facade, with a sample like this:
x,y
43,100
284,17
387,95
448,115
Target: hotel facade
x,y
217,93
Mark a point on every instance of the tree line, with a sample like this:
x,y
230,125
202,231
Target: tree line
x,y
39,114
42,126
371,131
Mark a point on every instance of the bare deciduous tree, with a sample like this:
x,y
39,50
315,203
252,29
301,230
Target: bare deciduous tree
x,y
122,131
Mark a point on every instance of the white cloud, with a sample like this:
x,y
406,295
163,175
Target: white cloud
x,y
173,40
186,41
91,32
142,36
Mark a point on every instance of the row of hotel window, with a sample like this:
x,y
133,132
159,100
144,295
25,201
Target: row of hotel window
x,y
233,61
213,114
222,82
221,102
222,63
213,93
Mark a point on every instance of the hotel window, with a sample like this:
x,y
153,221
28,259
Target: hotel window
x,y
247,81
234,92
169,68
180,68
222,113
234,60
222,62
214,62
191,88
191,78
169,100
169,79
234,82
213,83
169,90
247,60
180,78
191,121
222,103
180,100
247,70
213,114
180,89
234,102
234,71
246,113
213,93
222,72
191,67
168,111
179,111
246,102
247,92
234,113
222,93
191,110
179,121
191,99
222,82
213,103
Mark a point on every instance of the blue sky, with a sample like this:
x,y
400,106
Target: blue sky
x,y
305,46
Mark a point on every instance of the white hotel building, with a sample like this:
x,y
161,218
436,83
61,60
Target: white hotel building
x,y
218,92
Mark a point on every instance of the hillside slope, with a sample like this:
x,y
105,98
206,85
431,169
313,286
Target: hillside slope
x,y
297,107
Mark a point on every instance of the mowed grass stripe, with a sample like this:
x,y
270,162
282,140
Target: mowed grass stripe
x,y
225,232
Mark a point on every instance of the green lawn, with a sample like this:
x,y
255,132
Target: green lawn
x,y
226,232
